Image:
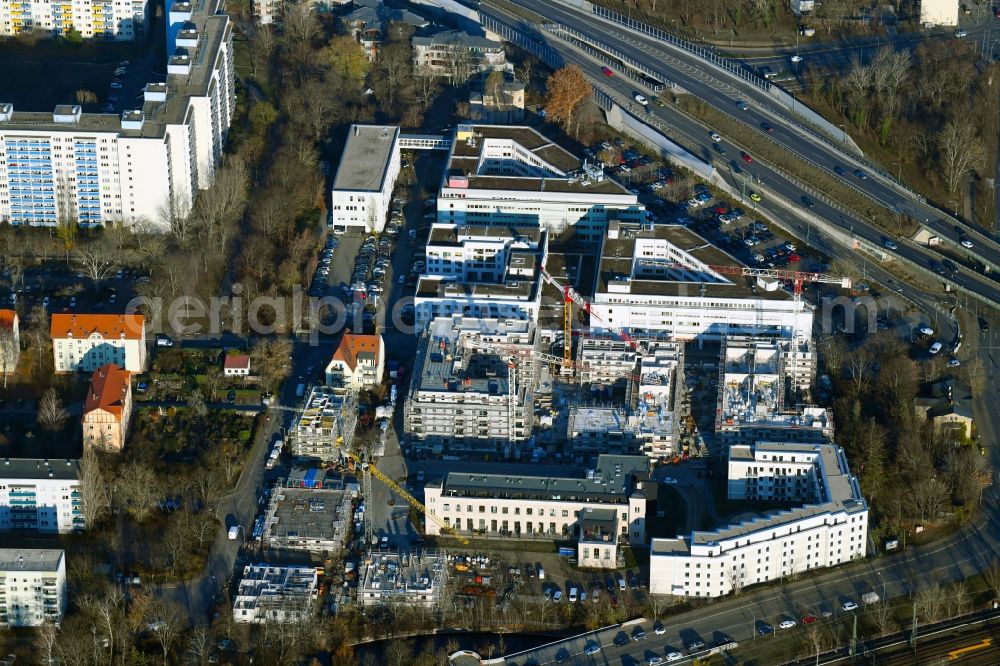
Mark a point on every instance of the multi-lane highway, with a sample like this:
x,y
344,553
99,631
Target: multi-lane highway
x,y
725,91
786,199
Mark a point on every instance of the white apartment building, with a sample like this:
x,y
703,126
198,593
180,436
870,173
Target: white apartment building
x,y
275,594
666,280
501,175
456,55
97,19
800,7
362,188
41,495
85,342
481,271
754,380
542,507
357,363
32,586
146,164
939,12
325,426
465,397
830,528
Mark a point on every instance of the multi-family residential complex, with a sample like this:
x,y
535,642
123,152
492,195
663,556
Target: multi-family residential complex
x,y
146,164
325,427
275,594
545,507
357,363
41,495
828,527
634,408
499,175
939,12
100,19
32,586
370,20
404,578
456,55
754,376
308,518
661,279
481,271
362,188
465,395
107,409
85,342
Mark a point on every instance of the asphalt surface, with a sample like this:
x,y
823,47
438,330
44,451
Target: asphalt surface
x,y
724,91
772,184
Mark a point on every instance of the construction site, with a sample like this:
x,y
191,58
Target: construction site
x,y
280,594
414,579
311,519
325,424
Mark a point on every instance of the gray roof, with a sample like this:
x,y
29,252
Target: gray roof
x,y
612,481
39,468
30,559
457,38
366,156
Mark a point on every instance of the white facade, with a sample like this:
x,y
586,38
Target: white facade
x,y
325,426
275,594
939,12
100,19
146,164
536,507
85,342
830,528
513,176
457,55
362,188
800,7
461,397
659,279
358,362
40,495
412,580
32,587
481,271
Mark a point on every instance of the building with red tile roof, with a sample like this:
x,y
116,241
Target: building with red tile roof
x,y
85,342
357,363
107,409
236,365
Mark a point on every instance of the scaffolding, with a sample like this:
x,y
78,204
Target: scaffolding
x,y
405,578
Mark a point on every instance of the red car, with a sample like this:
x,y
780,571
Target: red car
x,y
607,71
746,158
720,208
793,257
809,619
996,12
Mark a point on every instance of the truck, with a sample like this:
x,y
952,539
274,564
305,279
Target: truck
x,y
869,598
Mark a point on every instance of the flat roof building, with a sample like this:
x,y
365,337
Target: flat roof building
x,y
278,594
829,527
659,279
41,495
542,507
312,519
413,579
32,586
146,163
325,427
465,398
481,271
503,175
362,188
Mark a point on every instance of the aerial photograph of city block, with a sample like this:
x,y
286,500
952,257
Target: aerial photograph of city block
x,y
499,332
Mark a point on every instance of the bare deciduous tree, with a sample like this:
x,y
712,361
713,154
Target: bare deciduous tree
x,y
929,601
51,414
97,261
960,150
171,621
93,488
992,577
10,349
929,497
137,489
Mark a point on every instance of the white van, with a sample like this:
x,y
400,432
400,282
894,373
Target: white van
x,y
234,532
572,595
